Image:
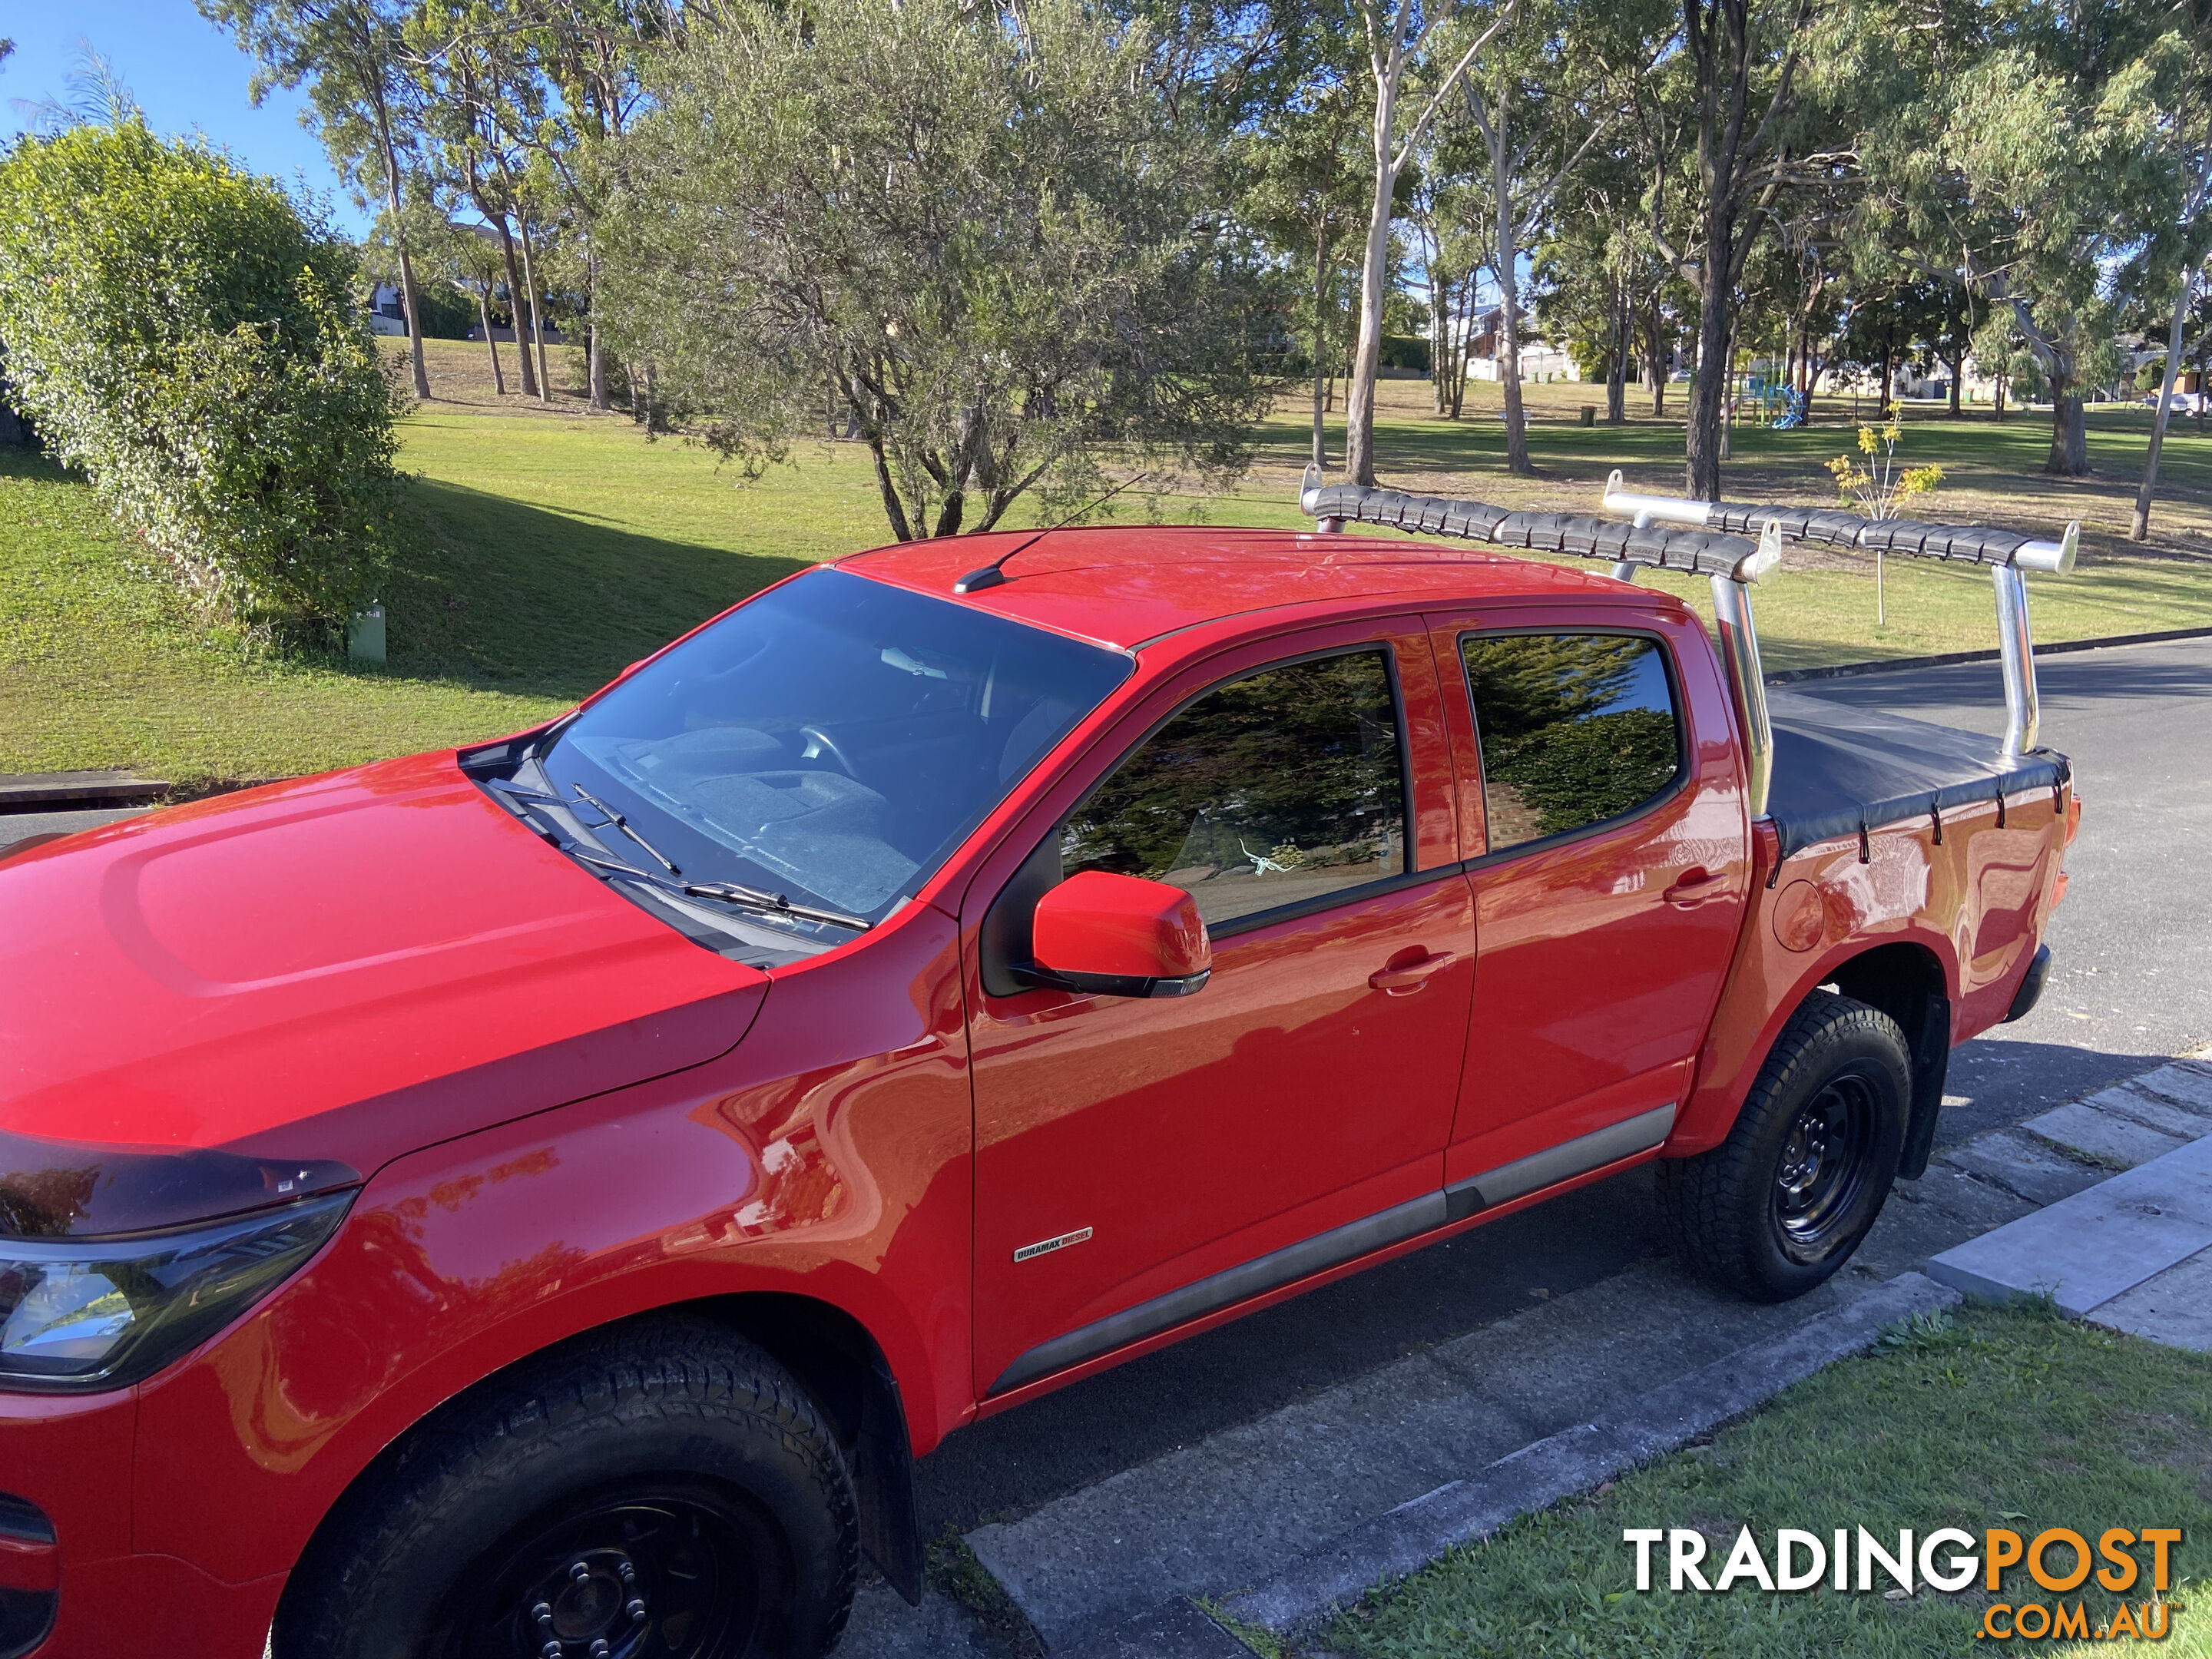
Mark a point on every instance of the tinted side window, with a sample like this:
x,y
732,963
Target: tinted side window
x,y
1268,791
1574,728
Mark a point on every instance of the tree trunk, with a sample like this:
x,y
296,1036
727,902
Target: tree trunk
x,y
1708,377
1616,369
515,303
537,318
1727,398
1958,367
1509,352
2069,435
2140,529
1321,364
595,372
407,302
1888,346
483,310
1655,360
1367,353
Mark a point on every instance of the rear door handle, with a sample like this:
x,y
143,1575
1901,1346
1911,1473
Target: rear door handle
x,y
1401,978
1696,886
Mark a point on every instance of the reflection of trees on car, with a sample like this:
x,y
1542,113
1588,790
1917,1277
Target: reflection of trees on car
x,y
1303,757
1564,729
1588,769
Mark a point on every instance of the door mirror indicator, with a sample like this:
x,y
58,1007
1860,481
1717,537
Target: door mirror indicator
x,y
1119,936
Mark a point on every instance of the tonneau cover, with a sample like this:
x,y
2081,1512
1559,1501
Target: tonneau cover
x,y
1838,770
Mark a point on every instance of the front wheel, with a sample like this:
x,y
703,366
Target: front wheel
x,y
663,1490
1779,1205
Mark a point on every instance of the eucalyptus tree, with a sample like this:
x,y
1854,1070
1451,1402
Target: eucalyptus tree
x,y
348,54
474,92
1721,119
1446,206
588,54
2175,252
1539,99
2027,167
1302,180
1435,41
982,229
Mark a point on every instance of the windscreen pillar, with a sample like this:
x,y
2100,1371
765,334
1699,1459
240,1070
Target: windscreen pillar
x,y
1747,684
2023,715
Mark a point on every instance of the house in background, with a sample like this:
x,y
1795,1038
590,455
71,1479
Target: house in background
x,y
1540,360
386,315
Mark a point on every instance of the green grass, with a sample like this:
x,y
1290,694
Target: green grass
x,y
2006,1417
552,547
548,553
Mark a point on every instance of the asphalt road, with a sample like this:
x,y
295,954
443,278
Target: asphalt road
x,y
2132,985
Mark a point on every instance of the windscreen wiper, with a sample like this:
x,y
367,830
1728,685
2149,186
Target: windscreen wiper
x,y
624,824
747,898
610,819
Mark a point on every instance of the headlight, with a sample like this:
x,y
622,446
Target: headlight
x,y
81,1314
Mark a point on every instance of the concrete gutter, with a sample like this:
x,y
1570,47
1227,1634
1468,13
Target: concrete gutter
x,y
1415,1534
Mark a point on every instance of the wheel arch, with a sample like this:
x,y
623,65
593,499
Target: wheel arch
x,y
1908,978
1905,979
833,1356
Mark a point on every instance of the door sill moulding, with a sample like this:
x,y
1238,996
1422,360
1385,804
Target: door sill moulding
x,y
1563,1162
1339,1245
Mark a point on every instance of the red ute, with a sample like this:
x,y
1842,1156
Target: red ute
x,y
536,1201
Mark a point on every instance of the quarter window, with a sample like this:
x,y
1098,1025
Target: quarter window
x,y
1575,728
1280,787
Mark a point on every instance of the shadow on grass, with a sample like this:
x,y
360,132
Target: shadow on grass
x,y
500,596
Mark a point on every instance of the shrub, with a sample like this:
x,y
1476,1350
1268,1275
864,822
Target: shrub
x,y
182,333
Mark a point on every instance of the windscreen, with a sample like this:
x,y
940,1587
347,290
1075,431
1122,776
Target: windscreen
x,y
832,740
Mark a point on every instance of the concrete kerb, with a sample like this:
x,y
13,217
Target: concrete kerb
x,y
1951,659
1576,1460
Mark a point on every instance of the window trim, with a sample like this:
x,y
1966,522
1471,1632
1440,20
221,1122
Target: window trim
x,y
1320,901
1684,769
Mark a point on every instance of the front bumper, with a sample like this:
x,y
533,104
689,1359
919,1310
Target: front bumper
x,y
66,1461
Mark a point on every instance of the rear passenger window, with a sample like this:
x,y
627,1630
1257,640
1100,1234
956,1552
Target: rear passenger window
x,y
1283,786
1575,728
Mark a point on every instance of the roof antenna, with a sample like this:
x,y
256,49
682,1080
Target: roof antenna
x,y
990,575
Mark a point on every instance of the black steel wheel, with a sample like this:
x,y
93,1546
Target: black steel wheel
x,y
657,1570
1783,1202
660,1490
1827,1153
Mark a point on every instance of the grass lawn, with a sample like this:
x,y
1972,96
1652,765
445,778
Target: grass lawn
x,y
2010,1418
553,546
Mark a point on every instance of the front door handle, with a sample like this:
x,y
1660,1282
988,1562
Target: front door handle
x,y
1405,973
1696,886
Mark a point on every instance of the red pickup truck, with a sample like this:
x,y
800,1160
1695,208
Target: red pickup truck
x,y
537,1200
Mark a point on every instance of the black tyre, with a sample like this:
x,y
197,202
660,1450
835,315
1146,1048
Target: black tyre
x,y
1780,1205
661,1490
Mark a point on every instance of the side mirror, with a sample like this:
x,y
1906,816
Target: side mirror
x,y
1119,936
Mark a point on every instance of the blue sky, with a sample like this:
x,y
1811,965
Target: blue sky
x,y
184,73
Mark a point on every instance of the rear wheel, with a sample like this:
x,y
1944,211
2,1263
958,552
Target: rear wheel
x,y
664,1490
1779,1205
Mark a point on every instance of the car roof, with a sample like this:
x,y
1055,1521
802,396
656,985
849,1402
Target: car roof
x,y
1124,586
